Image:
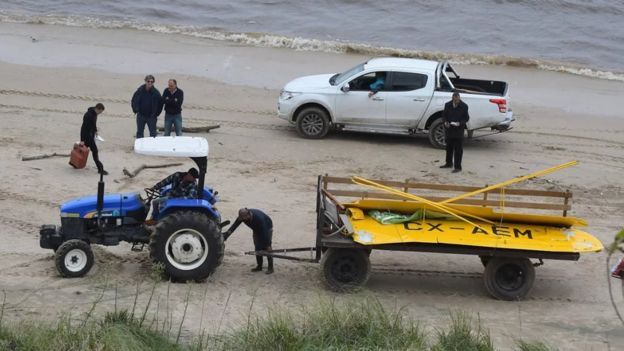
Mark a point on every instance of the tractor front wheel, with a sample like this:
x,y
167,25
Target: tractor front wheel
x,y
189,244
74,258
345,270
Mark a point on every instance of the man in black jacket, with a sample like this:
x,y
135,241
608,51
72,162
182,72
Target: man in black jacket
x,y
173,97
262,226
147,105
455,117
88,131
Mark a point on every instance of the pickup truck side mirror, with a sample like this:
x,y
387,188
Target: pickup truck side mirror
x,y
345,88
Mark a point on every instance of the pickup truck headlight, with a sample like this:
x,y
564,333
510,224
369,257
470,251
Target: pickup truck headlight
x,y
287,95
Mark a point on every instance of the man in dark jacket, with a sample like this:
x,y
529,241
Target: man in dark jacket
x,y
183,186
262,226
173,97
147,105
88,131
455,117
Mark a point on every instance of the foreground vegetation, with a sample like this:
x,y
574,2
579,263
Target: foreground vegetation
x,y
359,326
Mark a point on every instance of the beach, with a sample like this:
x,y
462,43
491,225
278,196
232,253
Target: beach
x,y
52,74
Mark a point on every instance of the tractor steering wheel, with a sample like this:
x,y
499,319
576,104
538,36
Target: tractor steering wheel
x,y
151,194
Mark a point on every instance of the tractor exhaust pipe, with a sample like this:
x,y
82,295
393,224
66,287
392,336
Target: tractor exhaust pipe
x,y
100,198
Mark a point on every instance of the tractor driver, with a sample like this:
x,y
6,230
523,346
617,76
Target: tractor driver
x,y
262,226
183,186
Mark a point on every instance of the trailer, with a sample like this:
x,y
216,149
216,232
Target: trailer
x,y
486,222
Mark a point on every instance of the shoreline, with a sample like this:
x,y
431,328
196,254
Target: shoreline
x,y
317,45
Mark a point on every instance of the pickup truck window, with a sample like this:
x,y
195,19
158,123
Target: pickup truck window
x,y
341,77
372,81
405,81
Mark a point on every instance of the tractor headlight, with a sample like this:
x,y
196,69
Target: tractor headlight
x,y
287,95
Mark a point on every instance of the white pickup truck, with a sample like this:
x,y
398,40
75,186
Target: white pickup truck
x,y
410,100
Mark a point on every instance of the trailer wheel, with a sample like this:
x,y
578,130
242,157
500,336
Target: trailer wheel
x,y
74,258
509,278
345,270
437,134
189,244
313,123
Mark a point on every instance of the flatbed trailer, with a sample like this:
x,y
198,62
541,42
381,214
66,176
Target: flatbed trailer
x,y
506,241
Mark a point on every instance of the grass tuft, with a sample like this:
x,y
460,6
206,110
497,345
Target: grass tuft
x,y
462,336
356,326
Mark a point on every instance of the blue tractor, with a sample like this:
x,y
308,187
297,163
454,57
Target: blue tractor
x,y
186,238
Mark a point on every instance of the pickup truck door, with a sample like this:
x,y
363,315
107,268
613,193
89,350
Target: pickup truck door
x,y
356,107
407,98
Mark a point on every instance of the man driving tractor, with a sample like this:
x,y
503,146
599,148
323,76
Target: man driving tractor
x,y
183,186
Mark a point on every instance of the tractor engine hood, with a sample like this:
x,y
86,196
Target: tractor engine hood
x,y
115,205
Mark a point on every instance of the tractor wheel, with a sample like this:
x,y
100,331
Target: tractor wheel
x,y
437,134
345,270
189,244
74,258
485,260
509,278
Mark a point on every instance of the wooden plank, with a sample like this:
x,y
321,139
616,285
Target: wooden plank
x,y
451,187
478,202
514,204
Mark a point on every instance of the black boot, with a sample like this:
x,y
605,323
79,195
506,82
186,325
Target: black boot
x,y
259,264
270,270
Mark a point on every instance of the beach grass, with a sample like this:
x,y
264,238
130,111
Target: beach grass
x,y
363,325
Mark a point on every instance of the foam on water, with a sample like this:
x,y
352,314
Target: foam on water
x,y
306,44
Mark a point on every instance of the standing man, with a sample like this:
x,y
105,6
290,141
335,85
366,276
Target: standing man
x,y
455,117
147,105
262,227
173,97
88,131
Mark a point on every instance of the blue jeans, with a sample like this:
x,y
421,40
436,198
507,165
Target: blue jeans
x,y
151,125
176,120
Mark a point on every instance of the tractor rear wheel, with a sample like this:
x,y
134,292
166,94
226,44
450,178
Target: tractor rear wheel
x,y
189,244
508,278
345,270
74,258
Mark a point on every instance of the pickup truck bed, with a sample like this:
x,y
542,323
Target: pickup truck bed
x,y
476,86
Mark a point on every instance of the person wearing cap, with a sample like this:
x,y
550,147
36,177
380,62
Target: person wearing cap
x,y
147,105
262,227
183,186
455,117
88,130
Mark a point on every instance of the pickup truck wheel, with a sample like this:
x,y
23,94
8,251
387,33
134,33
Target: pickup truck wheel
x,y
509,279
313,123
345,270
437,134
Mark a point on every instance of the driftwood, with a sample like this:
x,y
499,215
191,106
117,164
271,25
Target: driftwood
x,y
40,157
205,129
142,167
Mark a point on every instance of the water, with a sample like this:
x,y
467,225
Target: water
x,y
577,36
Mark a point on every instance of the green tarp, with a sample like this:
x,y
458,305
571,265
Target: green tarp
x,y
386,217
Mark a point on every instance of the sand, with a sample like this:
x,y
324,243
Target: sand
x,y
257,160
